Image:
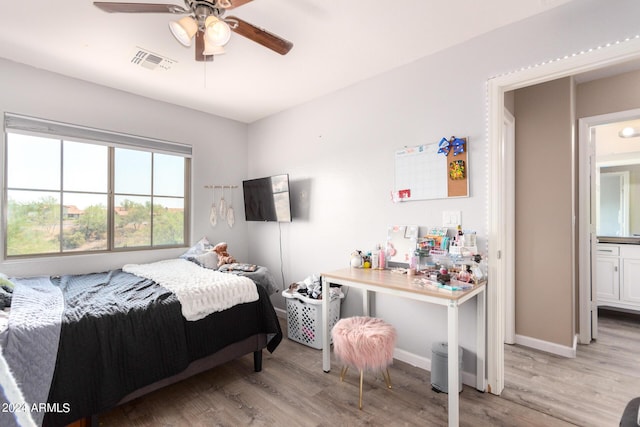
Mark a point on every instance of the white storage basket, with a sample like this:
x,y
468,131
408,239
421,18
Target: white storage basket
x,y
304,318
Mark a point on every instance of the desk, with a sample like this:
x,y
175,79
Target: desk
x,y
402,285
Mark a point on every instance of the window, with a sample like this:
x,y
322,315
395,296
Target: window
x,y
70,189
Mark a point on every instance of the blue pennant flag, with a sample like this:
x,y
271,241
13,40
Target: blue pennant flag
x,y
458,146
443,146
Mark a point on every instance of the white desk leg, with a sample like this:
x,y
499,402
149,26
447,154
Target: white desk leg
x,y
453,365
366,302
481,335
326,346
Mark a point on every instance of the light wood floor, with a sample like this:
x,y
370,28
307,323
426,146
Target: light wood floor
x,y
292,390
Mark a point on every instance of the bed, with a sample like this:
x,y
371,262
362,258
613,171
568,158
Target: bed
x,y
79,345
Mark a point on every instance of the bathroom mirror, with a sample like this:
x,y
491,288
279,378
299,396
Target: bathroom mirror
x,y
401,243
613,205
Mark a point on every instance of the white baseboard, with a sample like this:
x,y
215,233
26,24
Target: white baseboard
x,y
549,347
281,313
412,359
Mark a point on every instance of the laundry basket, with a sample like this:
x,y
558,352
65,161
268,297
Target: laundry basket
x,y
304,318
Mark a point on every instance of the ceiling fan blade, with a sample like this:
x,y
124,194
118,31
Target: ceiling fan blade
x,y
259,35
200,48
115,7
232,4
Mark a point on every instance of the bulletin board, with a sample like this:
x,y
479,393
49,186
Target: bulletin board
x,y
432,171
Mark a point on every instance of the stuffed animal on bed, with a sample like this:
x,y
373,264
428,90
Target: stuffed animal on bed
x,y
223,255
6,291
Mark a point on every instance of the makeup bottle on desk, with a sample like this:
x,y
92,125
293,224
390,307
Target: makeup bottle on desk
x,y
375,257
382,263
459,236
413,263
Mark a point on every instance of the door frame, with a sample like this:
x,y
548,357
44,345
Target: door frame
x,y
500,257
587,228
509,156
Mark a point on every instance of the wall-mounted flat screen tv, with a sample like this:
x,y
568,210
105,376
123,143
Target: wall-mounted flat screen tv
x,y
267,199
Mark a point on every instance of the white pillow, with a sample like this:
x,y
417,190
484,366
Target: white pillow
x,y
207,260
199,248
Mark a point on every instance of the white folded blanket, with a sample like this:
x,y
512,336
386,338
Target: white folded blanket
x,y
201,291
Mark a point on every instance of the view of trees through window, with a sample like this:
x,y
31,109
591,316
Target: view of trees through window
x,y
59,196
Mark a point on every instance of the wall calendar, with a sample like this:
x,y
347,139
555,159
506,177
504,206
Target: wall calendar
x,y
432,171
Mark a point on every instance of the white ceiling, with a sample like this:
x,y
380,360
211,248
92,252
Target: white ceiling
x,y
610,144
336,44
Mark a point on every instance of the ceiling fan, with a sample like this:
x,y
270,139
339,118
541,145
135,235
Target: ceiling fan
x,y
206,22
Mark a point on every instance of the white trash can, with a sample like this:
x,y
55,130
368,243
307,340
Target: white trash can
x,y
440,367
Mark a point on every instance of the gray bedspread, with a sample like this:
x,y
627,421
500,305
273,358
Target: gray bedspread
x,y
262,276
30,345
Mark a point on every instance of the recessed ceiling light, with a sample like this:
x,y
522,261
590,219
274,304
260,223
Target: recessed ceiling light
x,y
628,132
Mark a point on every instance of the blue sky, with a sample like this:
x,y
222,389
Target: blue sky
x,y
35,163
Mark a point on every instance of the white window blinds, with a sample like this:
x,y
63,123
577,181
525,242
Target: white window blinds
x,y
19,123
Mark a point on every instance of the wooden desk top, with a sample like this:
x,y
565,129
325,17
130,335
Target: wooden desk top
x,y
399,282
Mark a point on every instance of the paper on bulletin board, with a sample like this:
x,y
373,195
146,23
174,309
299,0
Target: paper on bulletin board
x,y
421,173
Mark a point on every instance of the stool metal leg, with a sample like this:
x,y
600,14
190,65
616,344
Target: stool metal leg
x,y
361,378
387,377
343,372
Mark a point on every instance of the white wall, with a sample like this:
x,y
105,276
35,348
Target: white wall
x,y
340,149
544,117
219,153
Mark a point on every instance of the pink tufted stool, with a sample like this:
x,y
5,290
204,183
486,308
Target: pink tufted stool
x,y
364,343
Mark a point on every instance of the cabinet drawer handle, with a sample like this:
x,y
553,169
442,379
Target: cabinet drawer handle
x,y
605,250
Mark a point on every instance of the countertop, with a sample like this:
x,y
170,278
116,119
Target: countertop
x,y
628,240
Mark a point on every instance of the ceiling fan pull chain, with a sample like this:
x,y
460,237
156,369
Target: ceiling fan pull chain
x,y
204,71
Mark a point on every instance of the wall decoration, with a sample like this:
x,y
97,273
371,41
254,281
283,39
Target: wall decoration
x,y
225,210
456,169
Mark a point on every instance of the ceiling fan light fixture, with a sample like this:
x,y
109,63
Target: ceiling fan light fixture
x,y
211,49
184,29
217,32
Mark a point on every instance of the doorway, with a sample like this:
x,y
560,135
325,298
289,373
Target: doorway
x,y
500,260
601,153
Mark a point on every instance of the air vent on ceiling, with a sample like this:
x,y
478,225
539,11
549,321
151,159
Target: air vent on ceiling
x,y
151,60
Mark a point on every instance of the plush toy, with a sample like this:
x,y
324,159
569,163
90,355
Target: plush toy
x,y
223,255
